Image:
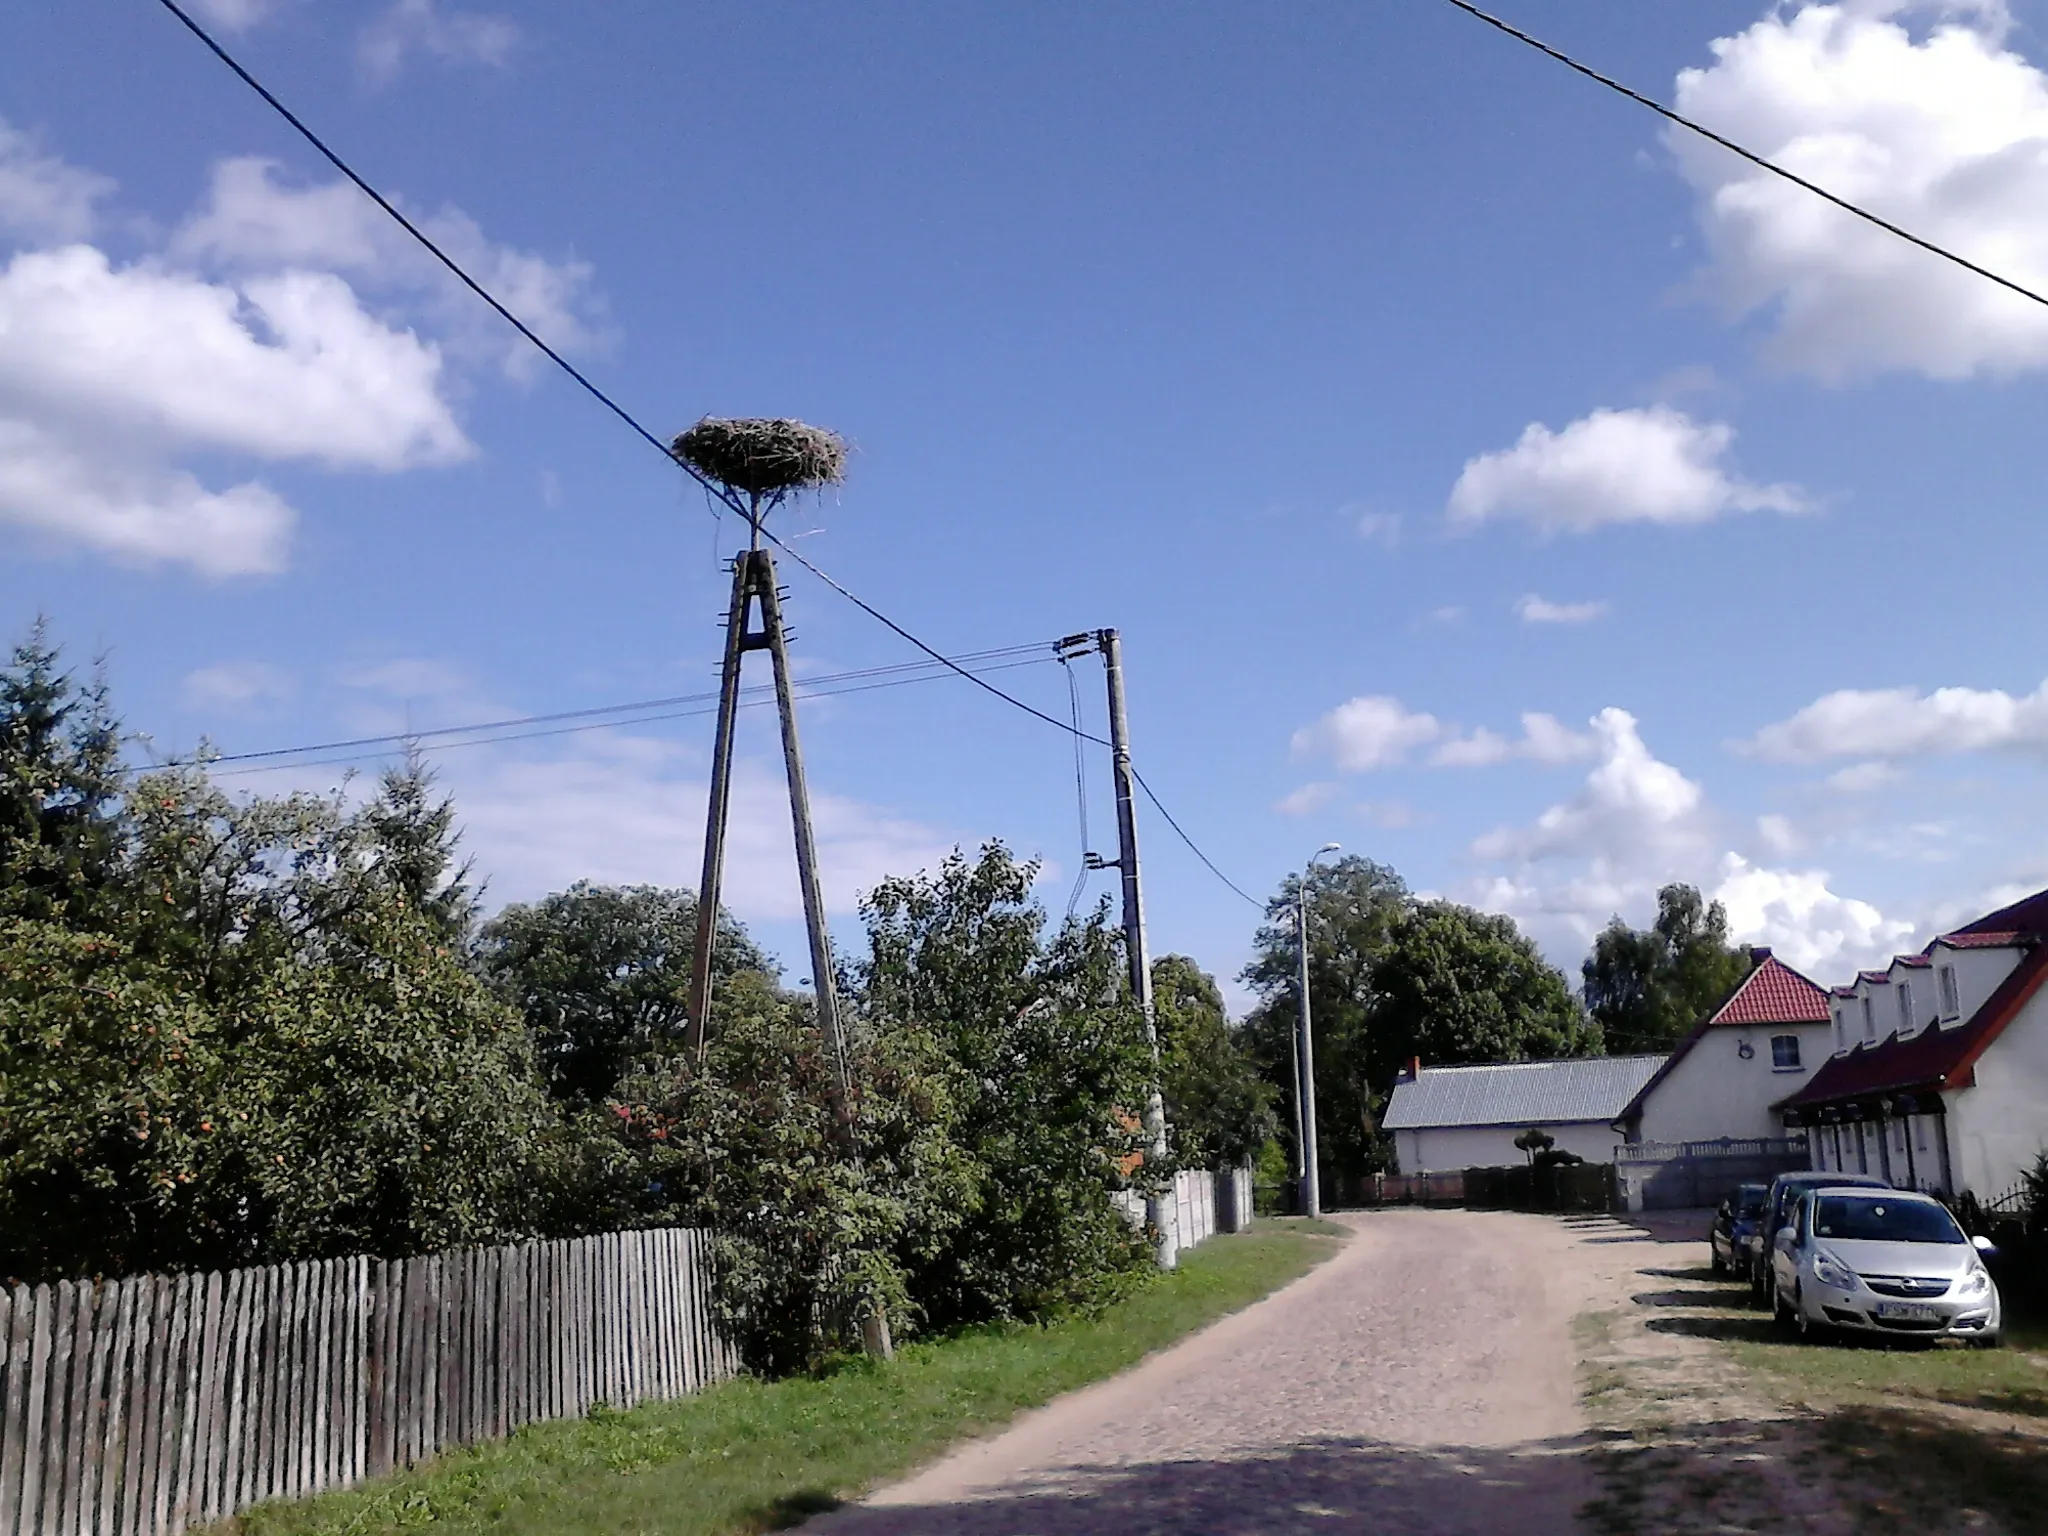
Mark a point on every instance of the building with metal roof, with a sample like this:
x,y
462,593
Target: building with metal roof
x,y
1468,1117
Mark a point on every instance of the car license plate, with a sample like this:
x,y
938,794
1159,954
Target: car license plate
x,y
1907,1311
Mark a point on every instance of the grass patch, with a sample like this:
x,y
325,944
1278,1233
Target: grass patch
x,y
756,1455
2011,1380
1901,1452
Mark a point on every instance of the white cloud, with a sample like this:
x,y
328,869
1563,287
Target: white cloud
x,y
1543,740
1885,723
252,220
249,335
1778,836
1807,925
629,809
41,197
235,15
288,366
1308,799
1861,778
1372,731
1540,610
1632,805
1641,465
1639,823
237,685
1376,731
1382,528
1944,132
137,511
410,28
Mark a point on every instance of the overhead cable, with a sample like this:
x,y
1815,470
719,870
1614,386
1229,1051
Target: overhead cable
x,y
328,154
1750,155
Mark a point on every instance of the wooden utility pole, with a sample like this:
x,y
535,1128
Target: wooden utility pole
x,y
752,466
1162,1211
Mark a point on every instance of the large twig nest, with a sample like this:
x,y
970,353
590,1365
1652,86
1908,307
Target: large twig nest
x,y
763,456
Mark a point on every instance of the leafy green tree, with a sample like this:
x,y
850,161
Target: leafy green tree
x,y
1049,1070
1392,977
105,1084
59,786
1647,988
1354,905
602,975
382,1100
808,1240
1219,1111
1455,985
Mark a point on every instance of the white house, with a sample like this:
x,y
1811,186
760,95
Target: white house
x,y
1939,1076
1726,1078
1443,1118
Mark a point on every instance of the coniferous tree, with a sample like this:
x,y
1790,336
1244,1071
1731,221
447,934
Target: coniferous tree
x,y
59,786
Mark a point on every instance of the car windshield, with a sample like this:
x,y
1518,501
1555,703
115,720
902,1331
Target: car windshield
x,y
1750,1202
1877,1219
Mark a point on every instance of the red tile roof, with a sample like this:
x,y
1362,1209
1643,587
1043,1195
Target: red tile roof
x,y
1981,940
1774,993
1916,962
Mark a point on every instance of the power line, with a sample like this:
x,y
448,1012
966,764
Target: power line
x,y
1750,155
1193,846
633,423
399,738
275,758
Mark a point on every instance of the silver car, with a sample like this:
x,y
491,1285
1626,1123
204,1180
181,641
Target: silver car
x,y
1882,1261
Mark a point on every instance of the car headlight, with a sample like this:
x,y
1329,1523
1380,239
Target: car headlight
x,y
1975,1283
1829,1270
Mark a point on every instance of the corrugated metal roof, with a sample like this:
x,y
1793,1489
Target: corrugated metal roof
x,y
1592,1088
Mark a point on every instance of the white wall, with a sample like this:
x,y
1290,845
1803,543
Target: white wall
x,y
1714,1092
1447,1148
1998,1127
1978,973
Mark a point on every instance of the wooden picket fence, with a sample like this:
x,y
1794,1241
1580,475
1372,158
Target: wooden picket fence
x,y
139,1407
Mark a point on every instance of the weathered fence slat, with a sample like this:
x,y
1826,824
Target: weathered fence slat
x,y
153,1404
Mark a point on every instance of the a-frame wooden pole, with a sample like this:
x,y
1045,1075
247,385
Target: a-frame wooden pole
x,y
824,976
709,888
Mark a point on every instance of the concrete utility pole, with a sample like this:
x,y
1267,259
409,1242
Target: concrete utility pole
x,y
1305,1054
1162,1211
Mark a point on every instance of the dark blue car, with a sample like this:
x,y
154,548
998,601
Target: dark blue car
x,y
1738,1220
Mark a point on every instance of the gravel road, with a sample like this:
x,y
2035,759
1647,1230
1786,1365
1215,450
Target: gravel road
x,y
1423,1380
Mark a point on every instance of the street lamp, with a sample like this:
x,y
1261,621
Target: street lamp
x,y
1305,1053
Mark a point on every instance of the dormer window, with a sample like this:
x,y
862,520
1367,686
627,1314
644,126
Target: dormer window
x,y
1869,1019
1951,1003
1841,1032
1905,1008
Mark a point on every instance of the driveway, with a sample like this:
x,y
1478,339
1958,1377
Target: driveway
x,y
1423,1380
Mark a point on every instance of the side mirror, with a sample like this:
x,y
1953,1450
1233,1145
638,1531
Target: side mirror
x,y
1983,1244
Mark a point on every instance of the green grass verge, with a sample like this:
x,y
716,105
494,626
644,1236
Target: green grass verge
x,y
1897,1455
757,1455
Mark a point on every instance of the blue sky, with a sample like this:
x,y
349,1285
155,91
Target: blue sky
x,y
1480,478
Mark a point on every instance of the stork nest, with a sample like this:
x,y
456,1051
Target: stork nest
x,y
763,456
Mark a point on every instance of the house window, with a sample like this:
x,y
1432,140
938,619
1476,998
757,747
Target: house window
x,y
1905,1008
1869,1019
1951,1003
1784,1053
1920,1131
